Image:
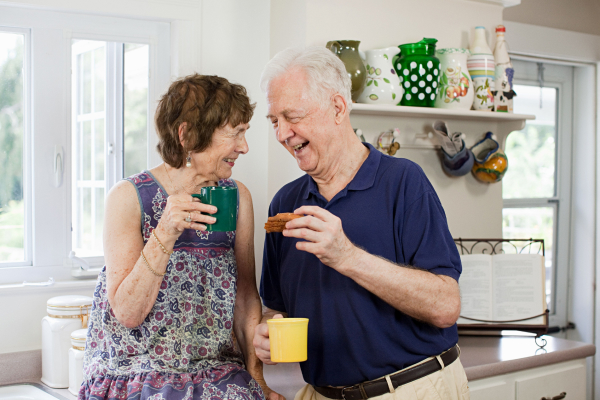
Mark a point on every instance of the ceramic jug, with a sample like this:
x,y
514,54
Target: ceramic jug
x,y
383,85
418,70
347,51
481,67
456,88
490,161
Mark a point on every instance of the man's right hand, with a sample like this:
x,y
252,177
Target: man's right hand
x,y
261,342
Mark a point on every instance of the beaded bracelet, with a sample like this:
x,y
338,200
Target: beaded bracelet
x,y
149,267
160,244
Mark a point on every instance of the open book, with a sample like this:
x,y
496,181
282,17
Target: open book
x,y
507,289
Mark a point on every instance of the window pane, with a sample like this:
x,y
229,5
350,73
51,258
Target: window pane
x,y
536,223
89,138
135,113
531,152
12,215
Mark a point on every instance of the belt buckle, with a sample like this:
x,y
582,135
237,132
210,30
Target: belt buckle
x,y
344,388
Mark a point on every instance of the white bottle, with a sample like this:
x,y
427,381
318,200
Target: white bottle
x,y
65,315
482,69
503,101
76,360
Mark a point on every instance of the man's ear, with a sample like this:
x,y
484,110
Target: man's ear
x,y
340,107
181,132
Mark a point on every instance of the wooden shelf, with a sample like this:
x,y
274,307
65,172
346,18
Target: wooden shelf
x,y
438,113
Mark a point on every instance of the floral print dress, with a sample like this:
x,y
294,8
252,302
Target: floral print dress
x,y
184,349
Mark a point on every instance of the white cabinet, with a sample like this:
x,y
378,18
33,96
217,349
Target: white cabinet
x,y
548,383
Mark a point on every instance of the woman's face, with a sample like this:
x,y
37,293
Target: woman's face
x,y
219,158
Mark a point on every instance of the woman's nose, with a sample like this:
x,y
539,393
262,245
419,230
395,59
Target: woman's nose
x,y
243,146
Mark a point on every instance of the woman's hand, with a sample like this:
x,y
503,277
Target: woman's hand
x,y
269,393
181,206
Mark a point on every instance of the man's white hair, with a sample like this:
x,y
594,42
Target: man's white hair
x,y
325,72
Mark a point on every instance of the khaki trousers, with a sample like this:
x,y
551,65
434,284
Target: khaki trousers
x,y
450,383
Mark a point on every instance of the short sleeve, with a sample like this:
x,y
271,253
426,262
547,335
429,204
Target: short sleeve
x,y
426,239
270,287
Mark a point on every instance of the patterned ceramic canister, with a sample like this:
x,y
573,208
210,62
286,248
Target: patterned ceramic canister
x,y
490,161
383,85
481,67
347,51
456,88
418,70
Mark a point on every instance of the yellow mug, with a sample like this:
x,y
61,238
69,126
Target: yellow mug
x,y
288,338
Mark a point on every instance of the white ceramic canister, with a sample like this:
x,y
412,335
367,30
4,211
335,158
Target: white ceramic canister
x,y
65,315
481,67
76,360
455,90
382,85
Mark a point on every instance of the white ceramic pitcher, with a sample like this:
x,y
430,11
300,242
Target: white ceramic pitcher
x,y
383,85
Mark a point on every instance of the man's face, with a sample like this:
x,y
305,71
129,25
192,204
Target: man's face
x,y
300,125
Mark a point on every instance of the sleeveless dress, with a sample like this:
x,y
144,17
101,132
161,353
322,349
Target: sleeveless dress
x,y
184,349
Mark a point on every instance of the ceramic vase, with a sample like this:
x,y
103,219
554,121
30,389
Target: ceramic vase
x,y
418,70
481,67
490,161
347,51
456,87
383,84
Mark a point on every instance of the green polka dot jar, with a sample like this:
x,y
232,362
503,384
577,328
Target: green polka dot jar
x,y
419,73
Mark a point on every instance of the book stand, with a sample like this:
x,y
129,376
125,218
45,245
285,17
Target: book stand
x,y
499,246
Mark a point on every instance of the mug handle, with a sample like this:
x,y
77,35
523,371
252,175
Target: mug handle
x,y
335,46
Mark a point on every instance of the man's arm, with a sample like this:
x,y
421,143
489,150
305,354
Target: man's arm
x,y
421,294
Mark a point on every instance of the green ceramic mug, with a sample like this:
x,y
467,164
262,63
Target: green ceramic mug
x,y
225,199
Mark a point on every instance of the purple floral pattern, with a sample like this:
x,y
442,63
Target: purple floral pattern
x,y
184,349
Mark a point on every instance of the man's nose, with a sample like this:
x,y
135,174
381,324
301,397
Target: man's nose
x,y
284,131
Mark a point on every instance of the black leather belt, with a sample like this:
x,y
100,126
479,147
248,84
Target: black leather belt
x,y
380,386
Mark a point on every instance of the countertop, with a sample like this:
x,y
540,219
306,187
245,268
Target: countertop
x,y
482,357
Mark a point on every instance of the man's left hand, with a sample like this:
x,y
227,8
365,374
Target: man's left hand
x,y
324,236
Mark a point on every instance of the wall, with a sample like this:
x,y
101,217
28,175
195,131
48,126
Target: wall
x,y
573,15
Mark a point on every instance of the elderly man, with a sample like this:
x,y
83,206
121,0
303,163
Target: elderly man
x,y
371,264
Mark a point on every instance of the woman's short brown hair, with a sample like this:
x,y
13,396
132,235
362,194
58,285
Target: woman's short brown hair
x,y
205,103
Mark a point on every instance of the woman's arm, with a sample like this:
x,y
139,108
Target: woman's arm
x,y
131,286
248,309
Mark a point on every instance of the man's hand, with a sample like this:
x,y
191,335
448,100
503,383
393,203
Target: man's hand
x,y
324,236
261,343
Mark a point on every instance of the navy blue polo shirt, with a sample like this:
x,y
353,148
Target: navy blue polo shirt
x,y
390,210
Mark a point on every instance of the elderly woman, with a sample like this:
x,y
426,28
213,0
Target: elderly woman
x,y
172,295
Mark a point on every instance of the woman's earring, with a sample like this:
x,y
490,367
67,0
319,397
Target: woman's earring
x,y
188,160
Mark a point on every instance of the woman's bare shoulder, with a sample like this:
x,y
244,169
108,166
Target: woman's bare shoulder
x,y
122,205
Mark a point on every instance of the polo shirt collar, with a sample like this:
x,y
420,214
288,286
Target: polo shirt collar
x,y
364,178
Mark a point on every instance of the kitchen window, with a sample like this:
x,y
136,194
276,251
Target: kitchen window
x,y
536,189
75,118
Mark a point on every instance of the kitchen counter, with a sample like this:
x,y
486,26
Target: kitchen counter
x,y
482,357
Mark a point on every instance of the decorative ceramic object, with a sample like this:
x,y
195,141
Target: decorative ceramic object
x,y
490,161
419,70
481,67
503,93
387,142
383,85
347,51
457,159
455,88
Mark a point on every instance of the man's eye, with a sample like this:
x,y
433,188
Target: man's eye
x,y
274,122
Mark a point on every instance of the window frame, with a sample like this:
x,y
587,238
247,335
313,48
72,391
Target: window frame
x,y
561,201
27,141
48,123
